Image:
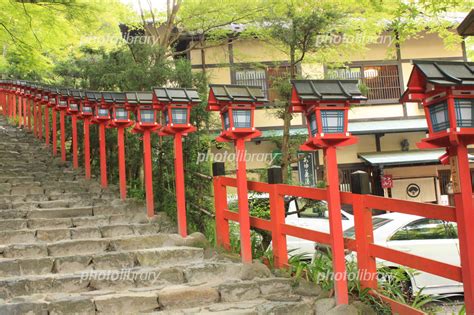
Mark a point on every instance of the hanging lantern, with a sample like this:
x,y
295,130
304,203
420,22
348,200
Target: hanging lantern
x,y
236,105
176,107
325,104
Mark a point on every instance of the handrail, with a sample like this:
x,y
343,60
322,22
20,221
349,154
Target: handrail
x,y
363,244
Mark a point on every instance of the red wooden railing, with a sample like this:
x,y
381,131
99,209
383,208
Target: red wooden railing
x,y
363,244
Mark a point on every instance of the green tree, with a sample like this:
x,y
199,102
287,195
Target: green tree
x,y
302,29
36,34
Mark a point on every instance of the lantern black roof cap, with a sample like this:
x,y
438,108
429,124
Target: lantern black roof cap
x,y
93,96
238,93
113,97
77,94
139,97
176,95
54,90
331,90
64,91
448,73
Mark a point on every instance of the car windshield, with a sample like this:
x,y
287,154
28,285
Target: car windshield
x,y
376,223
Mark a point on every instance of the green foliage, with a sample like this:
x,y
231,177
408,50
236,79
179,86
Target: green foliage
x,y
393,282
36,35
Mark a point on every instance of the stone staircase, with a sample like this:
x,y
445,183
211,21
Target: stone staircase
x,y
69,247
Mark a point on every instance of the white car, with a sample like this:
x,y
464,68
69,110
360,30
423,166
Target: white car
x,y
319,223
429,238
302,214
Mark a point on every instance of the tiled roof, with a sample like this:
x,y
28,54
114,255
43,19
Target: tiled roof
x,y
167,95
446,72
114,97
310,90
139,97
238,93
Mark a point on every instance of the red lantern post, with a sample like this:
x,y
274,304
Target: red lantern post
x,y
325,103
21,97
120,120
3,96
101,118
146,114
38,101
52,102
236,105
23,104
27,105
45,103
176,105
74,99
87,113
445,89
62,106
11,99
16,97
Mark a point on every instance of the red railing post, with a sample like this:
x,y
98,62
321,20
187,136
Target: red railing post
x,y
220,201
277,215
277,218
364,233
364,236
462,186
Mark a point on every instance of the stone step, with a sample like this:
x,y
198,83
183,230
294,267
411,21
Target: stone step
x,y
23,244
78,211
75,233
89,221
42,197
172,299
120,279
151,257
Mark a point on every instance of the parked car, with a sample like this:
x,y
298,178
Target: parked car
x,y
311,215
429,238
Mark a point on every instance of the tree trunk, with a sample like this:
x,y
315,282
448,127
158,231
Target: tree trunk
x,y
287,117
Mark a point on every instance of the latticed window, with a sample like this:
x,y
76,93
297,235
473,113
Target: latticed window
x,y
253,77
313,124
226,120
147,115
241,118
439,116
464,112
382,82
180,115
121,114
103,112
333,121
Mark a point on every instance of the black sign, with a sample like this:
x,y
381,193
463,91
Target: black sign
x,y
306,169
